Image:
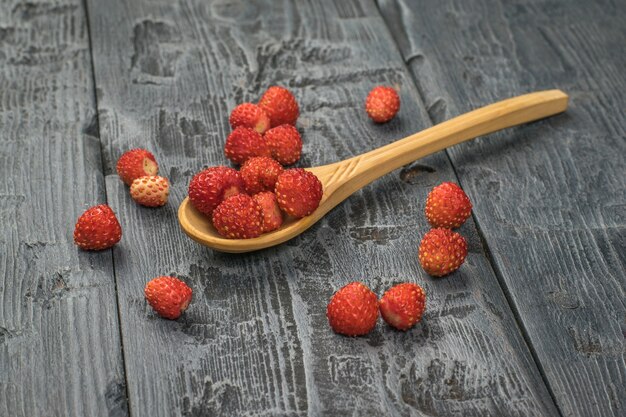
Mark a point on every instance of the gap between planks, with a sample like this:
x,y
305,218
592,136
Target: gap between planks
x,y
96,124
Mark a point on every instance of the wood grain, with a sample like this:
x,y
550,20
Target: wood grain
x,y
255,340
549,198
59,336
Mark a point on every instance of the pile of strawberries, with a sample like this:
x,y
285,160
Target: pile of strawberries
x,y
247,203
354,309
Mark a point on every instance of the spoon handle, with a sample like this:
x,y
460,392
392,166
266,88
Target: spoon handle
x,y
367,167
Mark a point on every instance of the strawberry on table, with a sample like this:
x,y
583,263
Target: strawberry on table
x,y
136,163
353,310
97,228
210,187
280,105
150,191
298,192
168,296
238,217
447,206
403,305
244,143
272,216
442,251
285,144
251,116
382,104
260,174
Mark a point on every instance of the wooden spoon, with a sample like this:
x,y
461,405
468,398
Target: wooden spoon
x,y
343,178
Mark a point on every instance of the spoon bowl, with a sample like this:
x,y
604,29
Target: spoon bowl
x,y
342,179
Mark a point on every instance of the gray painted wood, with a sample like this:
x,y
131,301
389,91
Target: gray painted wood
x,y
550,197
255,340
59,337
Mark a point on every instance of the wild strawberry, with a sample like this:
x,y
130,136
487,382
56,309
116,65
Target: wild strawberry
x,y
97,228
353,310
447,206
442,251
150,191
210,187
238,217
272,216
402,305
285,144
280,105
136,163
244,143
168,296
382,104
251,116
260,174
298,192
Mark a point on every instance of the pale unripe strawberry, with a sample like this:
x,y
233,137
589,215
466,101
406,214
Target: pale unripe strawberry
x,y
150,191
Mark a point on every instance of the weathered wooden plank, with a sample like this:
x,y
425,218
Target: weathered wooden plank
x,y
59,337
550,198
255,340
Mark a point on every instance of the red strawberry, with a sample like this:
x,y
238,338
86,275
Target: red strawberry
x,y
244,143
403,305
285,144
298,192
150,191
447,206
251,116
168,296
353,310
136,163
97,228
442,251
260,174
272,216
382,104
280,105
238,217
210,187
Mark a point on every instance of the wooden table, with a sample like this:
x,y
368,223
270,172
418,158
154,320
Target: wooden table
x,y
533,324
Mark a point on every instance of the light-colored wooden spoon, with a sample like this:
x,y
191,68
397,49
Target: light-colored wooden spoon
x,y
343,178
